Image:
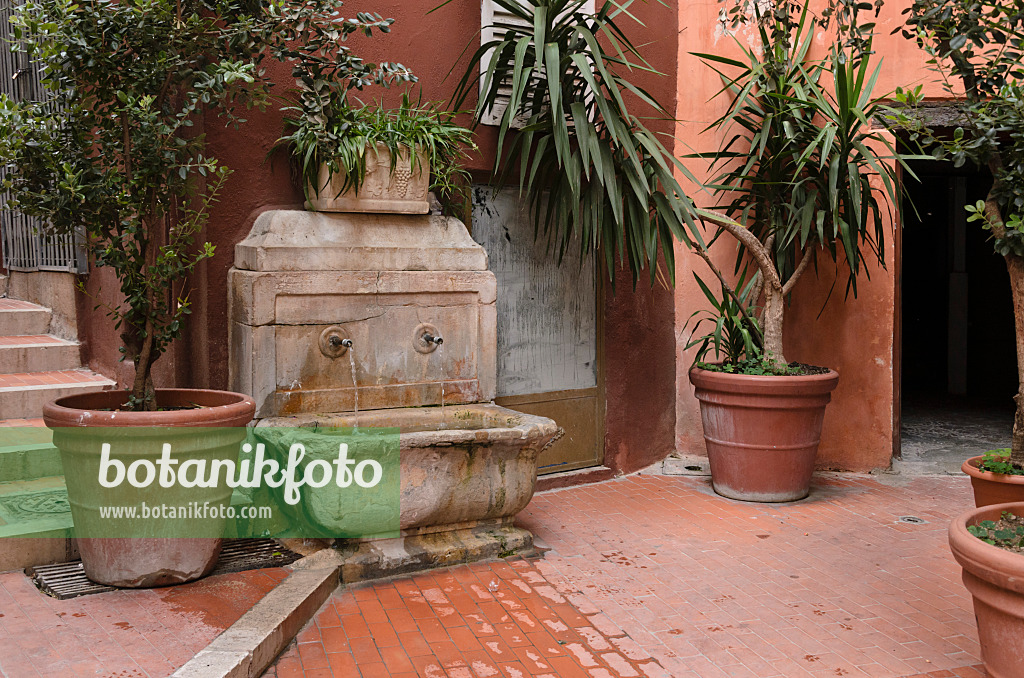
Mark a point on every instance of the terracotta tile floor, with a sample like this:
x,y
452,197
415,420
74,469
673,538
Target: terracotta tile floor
x,y
658,576
124,634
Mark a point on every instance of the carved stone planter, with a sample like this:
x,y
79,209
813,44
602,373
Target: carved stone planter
x,y
403,191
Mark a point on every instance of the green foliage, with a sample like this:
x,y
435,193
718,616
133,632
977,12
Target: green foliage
x,y
758,366
976,49
799,154
1012,240
588,165
1007,532
977,46
735,335
340,137
998,461
117,151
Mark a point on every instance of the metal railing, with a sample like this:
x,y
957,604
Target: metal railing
x,y
26,245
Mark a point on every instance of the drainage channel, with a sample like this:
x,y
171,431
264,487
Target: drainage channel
x,y
67,580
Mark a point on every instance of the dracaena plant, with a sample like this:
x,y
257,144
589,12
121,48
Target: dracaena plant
x,y
798,157
977,50
116,149
570,135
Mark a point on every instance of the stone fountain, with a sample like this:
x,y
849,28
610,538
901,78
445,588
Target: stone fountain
x,y
388,320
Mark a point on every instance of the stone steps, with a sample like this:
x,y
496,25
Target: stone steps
x,y
37,353
35,522
27,452
35,366
23,317
22,395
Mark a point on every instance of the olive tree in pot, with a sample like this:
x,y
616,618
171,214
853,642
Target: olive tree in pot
x,y
988,542
977,50
797,173
118,151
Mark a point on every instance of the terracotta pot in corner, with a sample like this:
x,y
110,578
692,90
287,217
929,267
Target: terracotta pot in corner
x,y
995,578
762,432
80,421
992,488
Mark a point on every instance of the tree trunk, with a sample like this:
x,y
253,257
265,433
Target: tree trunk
x,y
1015,266
142,388
771,325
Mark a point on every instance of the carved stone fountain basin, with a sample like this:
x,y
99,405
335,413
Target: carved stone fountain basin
x,y
475,466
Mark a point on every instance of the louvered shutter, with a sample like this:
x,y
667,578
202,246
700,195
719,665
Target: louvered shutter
x,y
492,18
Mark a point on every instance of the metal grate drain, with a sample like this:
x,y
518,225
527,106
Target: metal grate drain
x,y
913,520
68,580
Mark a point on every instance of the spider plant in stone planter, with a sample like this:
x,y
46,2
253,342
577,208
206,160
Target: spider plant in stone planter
x,y
795,182
118,151
976,50
356,158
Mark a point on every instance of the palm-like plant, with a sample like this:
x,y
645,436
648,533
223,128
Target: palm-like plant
x,y
589,166
797,163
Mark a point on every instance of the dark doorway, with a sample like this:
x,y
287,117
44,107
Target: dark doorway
x,y
958,353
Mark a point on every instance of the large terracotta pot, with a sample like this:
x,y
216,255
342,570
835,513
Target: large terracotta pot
x,y
992,488
80,421
762,432
995,577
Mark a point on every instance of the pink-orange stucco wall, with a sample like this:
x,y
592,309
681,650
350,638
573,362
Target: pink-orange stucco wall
x,y
854,336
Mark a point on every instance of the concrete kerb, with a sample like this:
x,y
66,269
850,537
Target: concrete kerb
x,y
251,644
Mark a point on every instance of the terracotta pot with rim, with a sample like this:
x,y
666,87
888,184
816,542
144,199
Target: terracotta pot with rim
x,y
145,561
762,432
995,578
992,488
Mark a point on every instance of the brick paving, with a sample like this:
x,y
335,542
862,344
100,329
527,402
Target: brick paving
x,y
122,634
658,576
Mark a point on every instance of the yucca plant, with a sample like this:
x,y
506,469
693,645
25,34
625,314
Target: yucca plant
x,y
797,161
735,335
587,164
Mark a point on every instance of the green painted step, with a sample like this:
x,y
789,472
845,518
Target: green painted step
x,y
35,508
27,453
39,508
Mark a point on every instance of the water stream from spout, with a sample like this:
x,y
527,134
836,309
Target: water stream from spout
x,y
440,356
355,391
